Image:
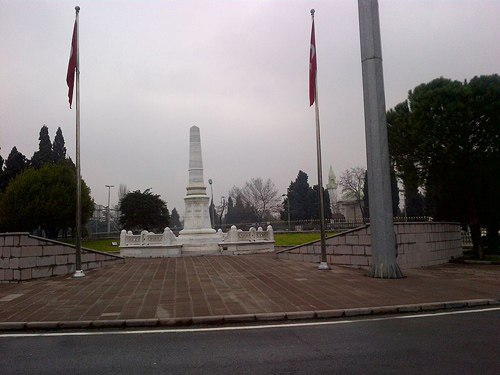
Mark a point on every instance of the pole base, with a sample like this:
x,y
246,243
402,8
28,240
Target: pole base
x,y
78,274
324,266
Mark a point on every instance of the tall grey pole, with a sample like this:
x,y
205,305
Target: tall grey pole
x,y
109,208
78,260
383,263
212,205
324,264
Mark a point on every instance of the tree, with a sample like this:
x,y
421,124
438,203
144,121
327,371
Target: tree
x,y
122,192
15,164
297,196
58,147
144,211
304,200
44,153
445,139
351,181
241,213
44,198
366,199
259,195
175,220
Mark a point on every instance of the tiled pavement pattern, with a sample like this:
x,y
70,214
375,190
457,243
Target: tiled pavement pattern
x,y
251,284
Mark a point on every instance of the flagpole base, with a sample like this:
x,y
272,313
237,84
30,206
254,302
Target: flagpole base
x,y
78,274
324,266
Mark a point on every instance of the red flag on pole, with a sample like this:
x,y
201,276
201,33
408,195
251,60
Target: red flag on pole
x,y
70,77
312,68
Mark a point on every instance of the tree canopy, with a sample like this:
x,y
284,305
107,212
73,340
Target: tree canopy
x,y
303,200
144,211
445,140
44,198
44,153
259,195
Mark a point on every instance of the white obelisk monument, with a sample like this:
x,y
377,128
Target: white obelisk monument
x,y
197,225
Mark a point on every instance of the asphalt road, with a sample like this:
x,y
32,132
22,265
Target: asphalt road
x,y
463,343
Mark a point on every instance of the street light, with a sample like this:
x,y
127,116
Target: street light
x,y
109,193
212,204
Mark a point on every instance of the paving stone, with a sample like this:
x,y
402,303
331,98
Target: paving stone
x,y
330,313
175,321
409,308
141,322
432,306
293,315
42,325
455,304
108,323
359,311
384,310
477,302
216,319
270,316
11,326
75,324
240,318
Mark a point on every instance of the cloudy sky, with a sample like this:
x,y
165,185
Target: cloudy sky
x,y
237,69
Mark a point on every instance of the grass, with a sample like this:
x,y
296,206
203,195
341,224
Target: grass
x,y
100,245
292,239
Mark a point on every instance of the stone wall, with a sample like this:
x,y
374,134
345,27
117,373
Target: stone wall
x,y
25,257
420,244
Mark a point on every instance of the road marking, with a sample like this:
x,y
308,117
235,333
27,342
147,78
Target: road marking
x,y
241,328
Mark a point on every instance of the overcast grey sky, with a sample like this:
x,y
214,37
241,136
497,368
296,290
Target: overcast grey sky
x,y
236,69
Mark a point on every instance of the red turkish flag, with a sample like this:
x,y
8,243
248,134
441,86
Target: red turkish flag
x,y
70,77
312,68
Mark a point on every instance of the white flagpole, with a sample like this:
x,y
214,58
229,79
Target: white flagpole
x,y
324,264
78,260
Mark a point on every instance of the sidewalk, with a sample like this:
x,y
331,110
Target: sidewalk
x,y
189,290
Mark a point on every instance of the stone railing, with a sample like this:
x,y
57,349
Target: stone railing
x,y
147,238
25,257
252,235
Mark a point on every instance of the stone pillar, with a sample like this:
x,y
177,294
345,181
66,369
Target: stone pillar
x,y
379,188
197,217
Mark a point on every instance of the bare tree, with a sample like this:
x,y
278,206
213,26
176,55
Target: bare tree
x,y
352,182
122,191
259,195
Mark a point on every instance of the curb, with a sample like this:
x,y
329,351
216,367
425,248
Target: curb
x,y
243,318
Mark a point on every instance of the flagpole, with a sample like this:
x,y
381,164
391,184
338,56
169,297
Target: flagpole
x,y
78,260
324,264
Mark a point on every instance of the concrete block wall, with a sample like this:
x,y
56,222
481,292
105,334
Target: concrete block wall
x,y
25,257
419,245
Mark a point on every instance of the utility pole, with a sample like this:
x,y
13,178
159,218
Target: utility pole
x,y
109,210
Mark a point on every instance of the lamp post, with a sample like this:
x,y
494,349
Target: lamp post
x,y
109,211
212,203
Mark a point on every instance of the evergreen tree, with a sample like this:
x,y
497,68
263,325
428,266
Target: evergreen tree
x,y
15,164
298,196
229,211
44,198
144,211
2,175
175,220
366,199
58,148
44,153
